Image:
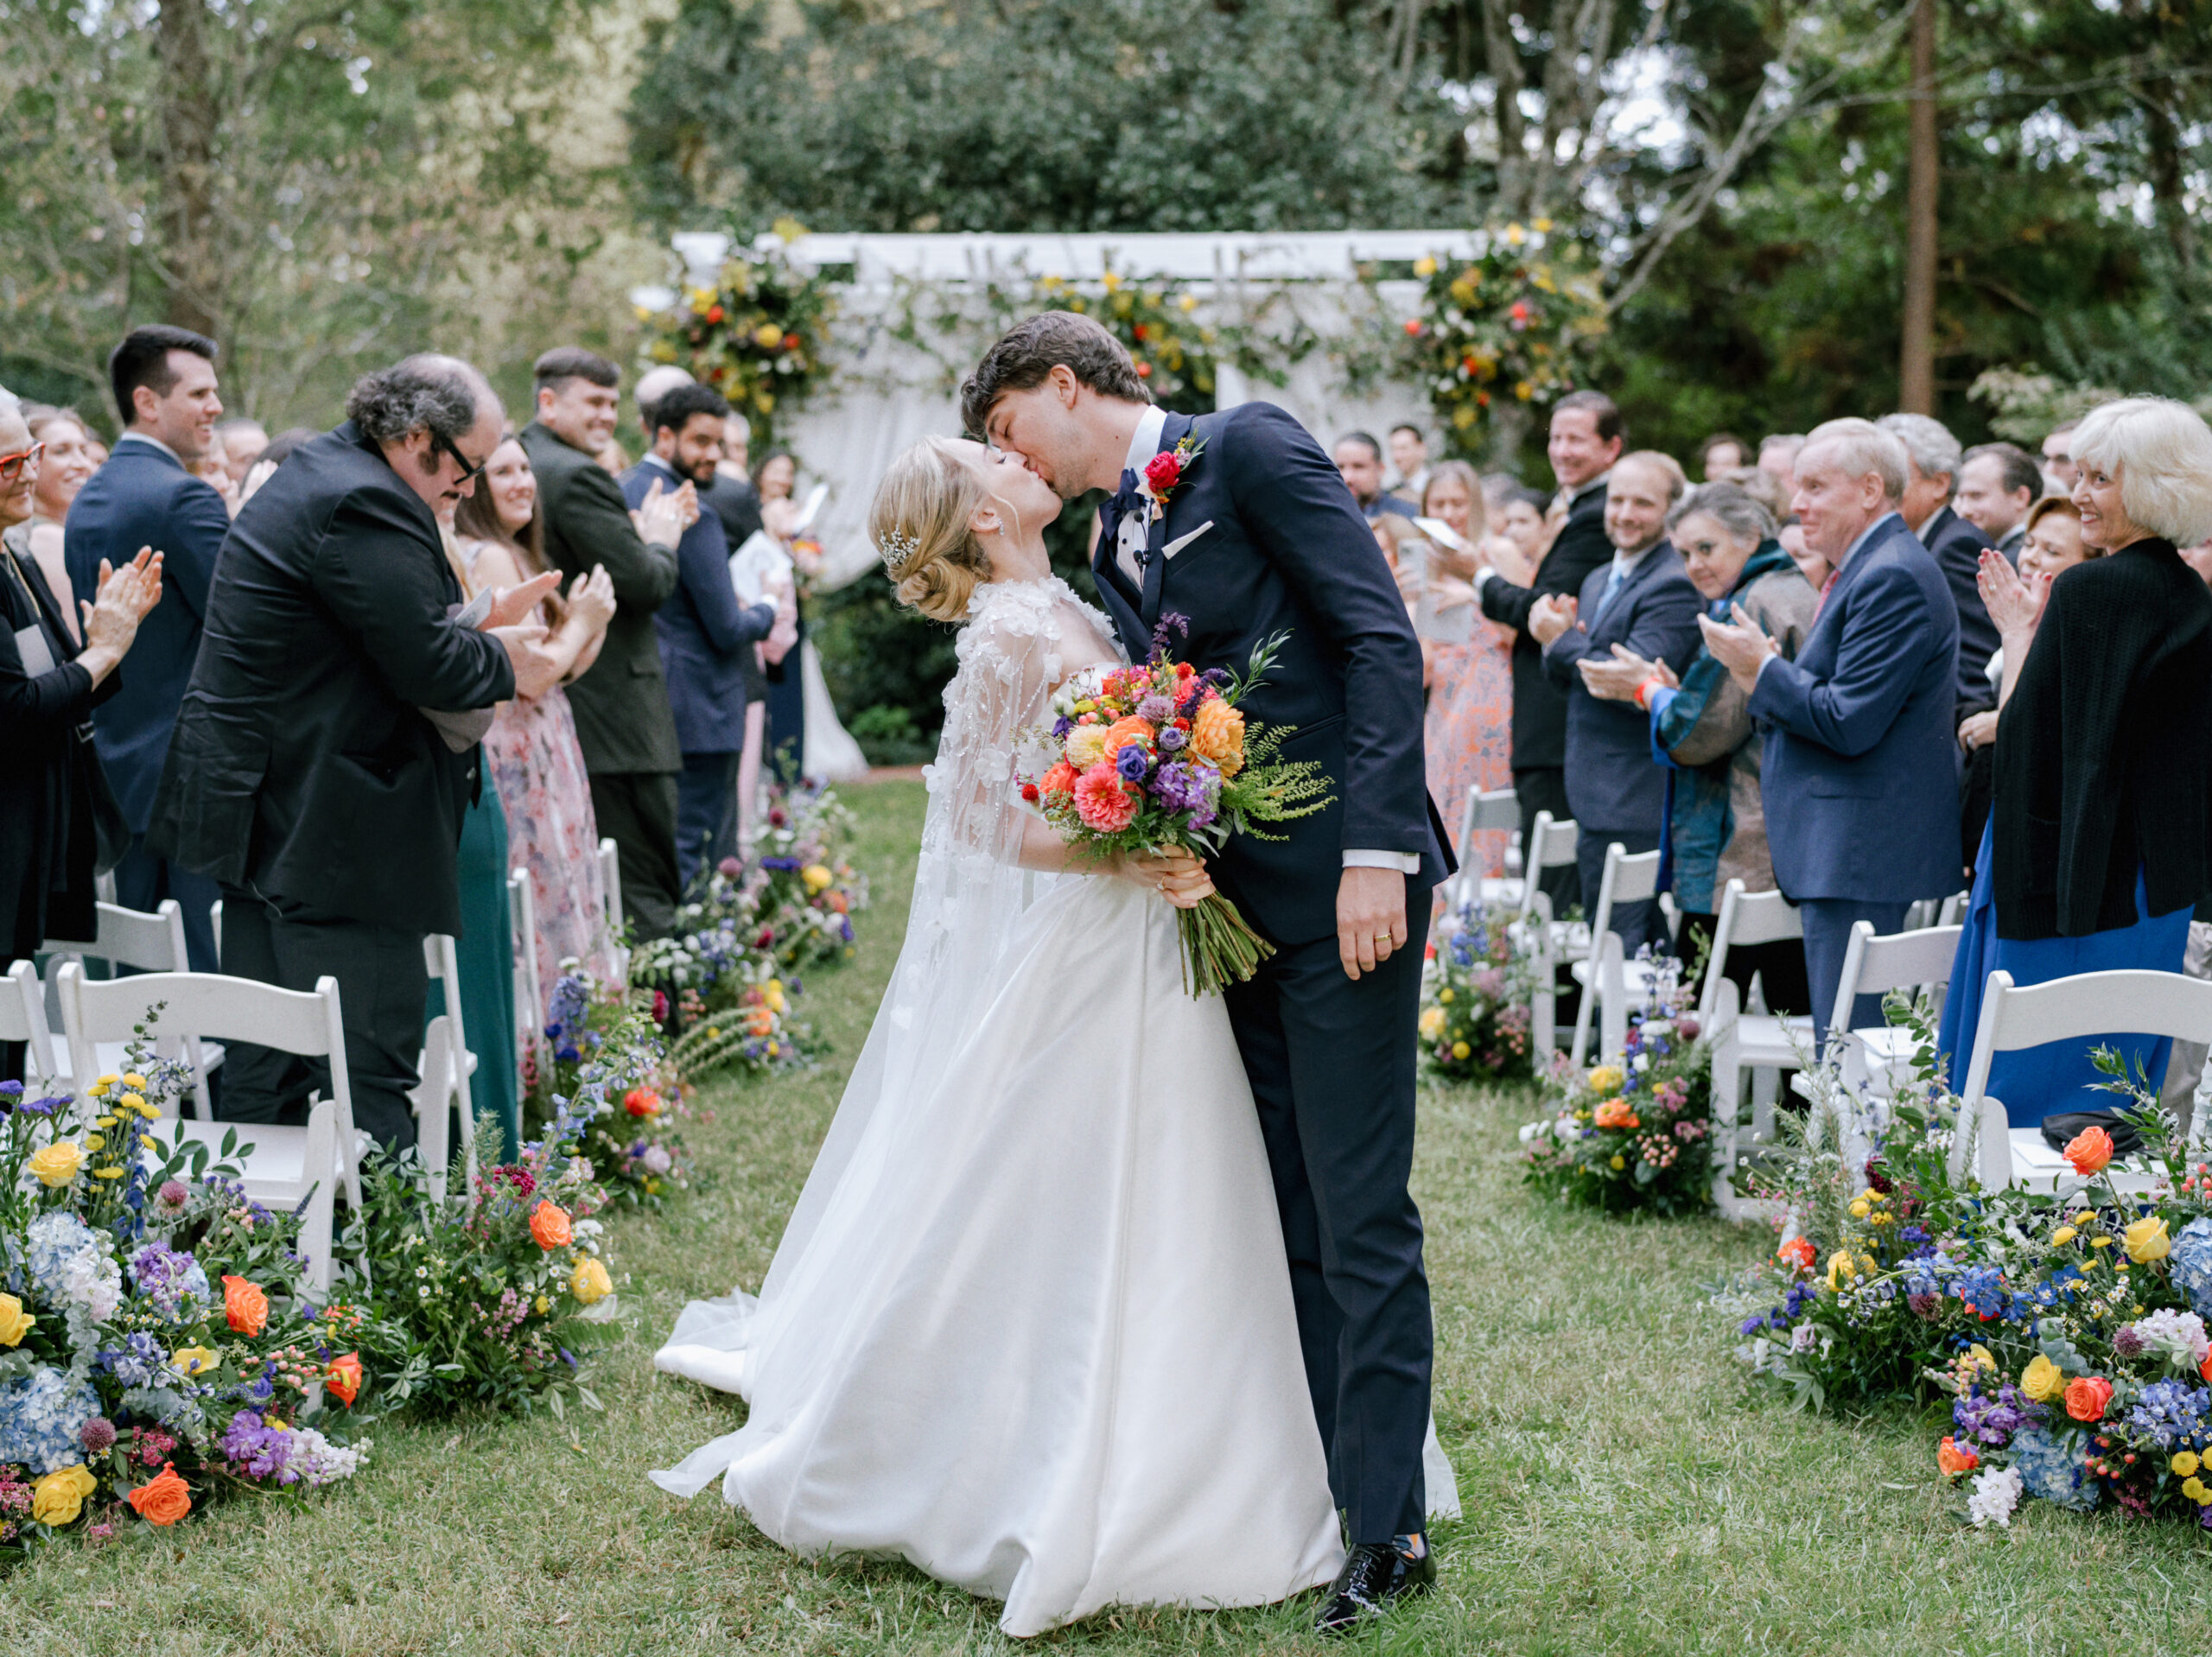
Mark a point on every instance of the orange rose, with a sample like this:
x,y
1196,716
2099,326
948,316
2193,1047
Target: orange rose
x,y
1617,1112
246,1306
2088,1151
2086,1395
548,1224
1798,1252
641,1102
1955,1459
1123,731
1060,780
342,1380
165,1500
1218,737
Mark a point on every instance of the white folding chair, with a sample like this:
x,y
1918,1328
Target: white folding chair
x,y
1953,910
529,992
1498,808
1608,980
1764,1044
2067,1009
610,875
1878,1057
149,943
22,1018
286,1167
442,1077
1548,941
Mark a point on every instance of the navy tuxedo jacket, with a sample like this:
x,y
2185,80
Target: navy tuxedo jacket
x,y
704,632
1612,781
1286,550
1956,544
145,497
1861,777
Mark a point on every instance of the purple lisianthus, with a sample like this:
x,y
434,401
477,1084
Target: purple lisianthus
x,y
1172,738
1132,762
1061,727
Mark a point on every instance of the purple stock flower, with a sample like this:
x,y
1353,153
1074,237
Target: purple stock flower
x,y
259,1451
1180,787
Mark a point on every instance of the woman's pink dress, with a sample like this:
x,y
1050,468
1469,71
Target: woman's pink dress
x,y
1469,735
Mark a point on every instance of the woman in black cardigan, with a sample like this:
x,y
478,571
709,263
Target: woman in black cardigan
x,y
49,776
2100,841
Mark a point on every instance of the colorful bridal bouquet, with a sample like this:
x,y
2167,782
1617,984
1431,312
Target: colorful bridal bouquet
x,y
1634,1133
1157,756
1477,986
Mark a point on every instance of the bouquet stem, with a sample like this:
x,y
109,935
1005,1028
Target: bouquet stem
x,y
1219,947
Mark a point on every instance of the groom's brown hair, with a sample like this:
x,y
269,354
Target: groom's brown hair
x,y
1030,351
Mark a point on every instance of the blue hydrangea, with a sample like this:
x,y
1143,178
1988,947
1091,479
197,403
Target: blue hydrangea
x,y
2191,1261
55,1239
2170,1411
2051,1469
40,1417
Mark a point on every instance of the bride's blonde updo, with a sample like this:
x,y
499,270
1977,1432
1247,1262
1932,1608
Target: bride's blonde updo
x,y
919,523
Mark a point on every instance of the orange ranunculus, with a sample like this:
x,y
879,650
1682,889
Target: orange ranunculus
x,y
1060,780
1218,737
1955,1458
1124,730
760,1021
548,1225
1799,1253
1617,1112
2088,1151
164,1500
342,1380
2086,1395
641,1102
244,1305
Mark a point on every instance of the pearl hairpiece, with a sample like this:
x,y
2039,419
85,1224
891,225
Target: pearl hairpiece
x,y
898,547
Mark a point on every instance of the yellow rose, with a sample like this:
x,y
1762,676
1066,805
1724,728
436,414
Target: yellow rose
x,y
2184,1463
192,1360
1979,1353
56,1165
2042,1380
1218,737
1619,1162
59,1497
1424,267
767,336
1432,1023
1858,1208
1086,745
1606,1078
589,1282
2062,1236
1460,1050
1841,1269
2147,1241
14,1322
816,877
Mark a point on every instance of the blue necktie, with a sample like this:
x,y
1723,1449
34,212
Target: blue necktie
x,y
1605,599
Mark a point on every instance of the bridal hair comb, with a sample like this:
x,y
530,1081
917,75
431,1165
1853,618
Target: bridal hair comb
x,y
898,547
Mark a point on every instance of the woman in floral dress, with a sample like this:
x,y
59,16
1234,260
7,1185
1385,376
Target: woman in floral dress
x,y
532,750
1470,732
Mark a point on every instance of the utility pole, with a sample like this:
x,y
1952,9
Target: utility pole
x,y
1916,358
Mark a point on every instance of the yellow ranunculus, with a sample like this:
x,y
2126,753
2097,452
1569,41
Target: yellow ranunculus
x,y
14,1322
1619,1162
192,1360
133,1081
2062,1236
817,877
96,1141
1606,1078
2147,1241
2193,1490
767,336
1085,746
1460,1050
1432,1023
55,1165
542,1304
131,1101
2042,1380
1858,1208
1448,994
108,1173
2183,1463
1424,267
2100,1242
589,1282
2082,1218
59,1497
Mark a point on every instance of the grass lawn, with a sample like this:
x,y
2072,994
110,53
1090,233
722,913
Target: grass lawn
x,y
1623,1492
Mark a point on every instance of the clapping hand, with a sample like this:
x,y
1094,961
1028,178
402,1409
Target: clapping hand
x,y
511,606
1619,679
1737,645
537,670
662,517
2015,601
1552,615
591,598
124,597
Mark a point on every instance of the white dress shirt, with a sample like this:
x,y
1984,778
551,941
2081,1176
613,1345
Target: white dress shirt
x,y
153,442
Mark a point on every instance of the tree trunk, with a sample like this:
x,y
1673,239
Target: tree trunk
x,y
1916,355
191,259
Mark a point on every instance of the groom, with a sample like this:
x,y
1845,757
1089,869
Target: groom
x,y
1257,534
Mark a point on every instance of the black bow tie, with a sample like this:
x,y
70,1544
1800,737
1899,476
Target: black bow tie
x,y
1124,500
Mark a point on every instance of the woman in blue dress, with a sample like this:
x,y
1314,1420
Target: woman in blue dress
x,y
2100,839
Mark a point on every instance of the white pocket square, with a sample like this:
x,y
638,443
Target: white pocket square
x,y
1183,541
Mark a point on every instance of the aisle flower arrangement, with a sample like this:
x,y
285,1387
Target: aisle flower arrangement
x,y
608,1079
760,335
2068,1327
1632,1133
1476,985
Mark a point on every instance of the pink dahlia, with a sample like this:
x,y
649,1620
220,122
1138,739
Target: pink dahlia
x,y
1102,802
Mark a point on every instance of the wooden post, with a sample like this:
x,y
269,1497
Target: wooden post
x,y
1916,355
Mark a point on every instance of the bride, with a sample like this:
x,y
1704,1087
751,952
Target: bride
x,y
1030,1326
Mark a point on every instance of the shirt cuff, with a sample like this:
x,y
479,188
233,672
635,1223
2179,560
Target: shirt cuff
x,y
1482,577
1404,862
1771,656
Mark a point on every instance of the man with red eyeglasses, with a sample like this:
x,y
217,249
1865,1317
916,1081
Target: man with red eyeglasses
x,y
146,496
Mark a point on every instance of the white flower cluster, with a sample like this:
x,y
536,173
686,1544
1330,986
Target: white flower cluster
x,y
72,1267
318,1462
2177,1337
1995,1493
1563,1128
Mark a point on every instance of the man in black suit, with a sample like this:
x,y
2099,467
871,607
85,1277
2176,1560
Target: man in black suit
x,y
1359,461
624,724
1955,543
1586,439
163,379
327,745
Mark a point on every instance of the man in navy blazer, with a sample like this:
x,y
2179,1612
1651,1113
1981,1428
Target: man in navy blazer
x,y
1860,769
704,632
1255,535
164,383
1639,599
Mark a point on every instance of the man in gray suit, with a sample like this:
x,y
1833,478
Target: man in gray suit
x,y
624,724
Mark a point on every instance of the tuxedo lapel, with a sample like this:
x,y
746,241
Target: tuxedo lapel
x,y
1114,591
1176,427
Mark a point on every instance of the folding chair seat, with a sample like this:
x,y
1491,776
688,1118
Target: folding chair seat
x,y
148,943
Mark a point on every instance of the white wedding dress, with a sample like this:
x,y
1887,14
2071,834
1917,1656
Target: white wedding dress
x,y
1030,1326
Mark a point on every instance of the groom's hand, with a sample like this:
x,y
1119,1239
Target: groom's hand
x,y
1370,917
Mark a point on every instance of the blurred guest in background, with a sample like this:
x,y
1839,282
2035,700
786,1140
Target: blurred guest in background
x,y
64,464
163,379
775,478
1998,482
2059,471
1955,543
1721,453
1778,458
1469,740
1359,458
1409,460
243,439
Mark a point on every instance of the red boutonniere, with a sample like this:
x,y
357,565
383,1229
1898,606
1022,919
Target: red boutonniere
x,y
1163,475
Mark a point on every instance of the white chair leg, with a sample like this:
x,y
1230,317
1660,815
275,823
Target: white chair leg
x,y
322,1165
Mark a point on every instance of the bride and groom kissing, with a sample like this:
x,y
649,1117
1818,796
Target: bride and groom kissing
x,y
1100,1294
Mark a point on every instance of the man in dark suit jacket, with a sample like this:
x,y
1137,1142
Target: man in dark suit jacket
x,y
705,633
1586,435
1932,459
1859,776
1643,601
623,721
326,747
164,383
1259,535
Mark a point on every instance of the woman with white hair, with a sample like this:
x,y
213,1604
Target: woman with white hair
x,y
2100,840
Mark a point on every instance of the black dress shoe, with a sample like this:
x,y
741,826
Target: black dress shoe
x,y
1374,1574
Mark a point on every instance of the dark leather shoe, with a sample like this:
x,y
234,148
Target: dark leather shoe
x,y
1374,1574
